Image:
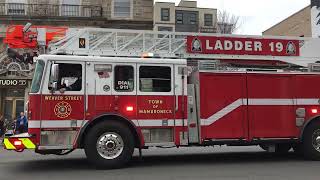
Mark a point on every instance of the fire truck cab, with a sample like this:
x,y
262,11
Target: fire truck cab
x,y
121,101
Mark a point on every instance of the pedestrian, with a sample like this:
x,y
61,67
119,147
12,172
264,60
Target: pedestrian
x,y
21,124
2,125
13,125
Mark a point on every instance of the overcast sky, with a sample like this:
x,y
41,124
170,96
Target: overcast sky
x,y
256,15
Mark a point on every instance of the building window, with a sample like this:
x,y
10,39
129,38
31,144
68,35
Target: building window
x,y
123,78
193,18
179,18
155,79
87,11
165,14
16,7
122,8
208,19
70,7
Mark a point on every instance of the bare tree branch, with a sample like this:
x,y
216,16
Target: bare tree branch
x,y
227,23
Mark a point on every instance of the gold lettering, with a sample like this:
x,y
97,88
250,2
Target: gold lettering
x,y
155,101
155,111
60,98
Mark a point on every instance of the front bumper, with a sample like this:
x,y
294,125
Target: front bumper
x,y
19,142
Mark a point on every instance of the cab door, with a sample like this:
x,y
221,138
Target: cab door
x,y
63,107
156,102
66,103
124,90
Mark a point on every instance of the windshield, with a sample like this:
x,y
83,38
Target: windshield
x,y
36,81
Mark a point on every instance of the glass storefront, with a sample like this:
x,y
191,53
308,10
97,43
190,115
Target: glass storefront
x,y
15,78
13,103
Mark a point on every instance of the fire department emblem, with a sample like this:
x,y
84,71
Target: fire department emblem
x,y
62,109
196,45
291,48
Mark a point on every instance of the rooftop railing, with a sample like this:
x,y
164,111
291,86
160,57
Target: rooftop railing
x,y
62,10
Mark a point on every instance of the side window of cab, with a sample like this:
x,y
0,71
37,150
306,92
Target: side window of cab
x,y
155,79
69,77
124,78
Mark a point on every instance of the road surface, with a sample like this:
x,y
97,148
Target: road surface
x,y
226,163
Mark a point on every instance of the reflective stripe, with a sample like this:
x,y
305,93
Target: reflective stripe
x,y
8,145
80,123
55,123
27,143
307,101
226,110
257,102
273,102
159,122
33,124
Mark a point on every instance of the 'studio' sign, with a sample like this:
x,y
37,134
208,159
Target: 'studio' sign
x,y
242,46
13,83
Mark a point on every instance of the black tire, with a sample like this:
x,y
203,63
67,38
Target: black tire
x,y
283,148
95,133
309,151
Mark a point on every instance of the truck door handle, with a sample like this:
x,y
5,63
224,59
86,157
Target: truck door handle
x,y
177,103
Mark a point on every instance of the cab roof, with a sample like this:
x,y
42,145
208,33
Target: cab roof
x,y
112,59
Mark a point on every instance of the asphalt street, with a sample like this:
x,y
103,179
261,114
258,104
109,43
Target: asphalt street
x,y
244,163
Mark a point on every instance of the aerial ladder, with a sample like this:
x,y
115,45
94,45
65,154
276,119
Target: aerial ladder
x,y
138,43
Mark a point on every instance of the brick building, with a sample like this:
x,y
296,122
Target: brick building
x,y
298,24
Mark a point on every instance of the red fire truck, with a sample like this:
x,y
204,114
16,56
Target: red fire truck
x,y
94,91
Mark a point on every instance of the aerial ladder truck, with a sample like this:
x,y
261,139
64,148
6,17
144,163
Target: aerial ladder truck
x,y
109,91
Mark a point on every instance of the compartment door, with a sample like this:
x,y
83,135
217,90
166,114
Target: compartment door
x,y
271,106
223,106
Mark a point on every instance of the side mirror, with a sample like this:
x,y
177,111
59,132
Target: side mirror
x,y
54,73
54,77
54,85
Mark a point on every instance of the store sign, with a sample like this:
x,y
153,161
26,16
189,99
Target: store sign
x,y
13,83
242,46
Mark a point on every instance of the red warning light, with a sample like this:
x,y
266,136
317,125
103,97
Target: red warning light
x,y
129,108
17,143
314,111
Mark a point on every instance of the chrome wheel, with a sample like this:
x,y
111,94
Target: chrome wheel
x,y
110,145
316,140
